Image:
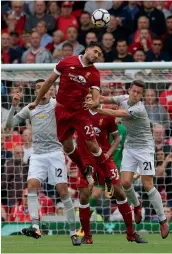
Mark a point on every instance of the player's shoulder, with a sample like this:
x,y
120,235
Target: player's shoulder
x,y
53,102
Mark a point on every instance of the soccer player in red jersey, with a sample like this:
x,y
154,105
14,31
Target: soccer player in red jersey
x,y
103,126
78,76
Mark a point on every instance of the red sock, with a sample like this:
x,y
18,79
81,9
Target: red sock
x,y
76,158
101,160
126,213
84,215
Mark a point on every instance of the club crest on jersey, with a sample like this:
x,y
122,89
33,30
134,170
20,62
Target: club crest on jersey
x,y
78,78
101,121
97,131
87,74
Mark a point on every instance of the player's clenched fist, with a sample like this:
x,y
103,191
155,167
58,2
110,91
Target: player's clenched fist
x,y
32,105
16,99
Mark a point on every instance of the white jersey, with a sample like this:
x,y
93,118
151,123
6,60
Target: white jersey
x,y
138,126
43,122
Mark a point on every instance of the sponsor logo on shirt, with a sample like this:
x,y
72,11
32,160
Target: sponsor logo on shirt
x,y
97,131
78,78
41,116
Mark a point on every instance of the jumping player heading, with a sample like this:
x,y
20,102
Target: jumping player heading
x,y
78,75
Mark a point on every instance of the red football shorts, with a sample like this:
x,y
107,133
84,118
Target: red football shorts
x,y
69,121
99,177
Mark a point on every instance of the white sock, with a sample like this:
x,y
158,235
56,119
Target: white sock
x,y
131,195
70,213
156,201
33,206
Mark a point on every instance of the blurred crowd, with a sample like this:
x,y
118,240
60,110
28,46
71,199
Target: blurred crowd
x,y
45,32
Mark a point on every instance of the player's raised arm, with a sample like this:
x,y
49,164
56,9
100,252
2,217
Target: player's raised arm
x,y
44,89
106,99
114,113
24,114
95,98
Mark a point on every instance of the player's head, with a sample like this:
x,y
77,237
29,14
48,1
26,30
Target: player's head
x,y
38,84
93,51
136,91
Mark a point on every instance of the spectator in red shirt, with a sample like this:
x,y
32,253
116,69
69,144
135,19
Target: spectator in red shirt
x,y
20,212
142,23
57,39
17,10
8,55
66,19
165,99
143,43
11,24
167,37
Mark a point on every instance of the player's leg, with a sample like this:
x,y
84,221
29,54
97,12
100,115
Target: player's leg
x,y
146,164
73,152
37,173
57,175
125,210
84,127
97,192
128,167
156,201
65,131
84,214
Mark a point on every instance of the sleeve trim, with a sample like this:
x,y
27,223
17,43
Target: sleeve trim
x,y
57,72
114,132
96,87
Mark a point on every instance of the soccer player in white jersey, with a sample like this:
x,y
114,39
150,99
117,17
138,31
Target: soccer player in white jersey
x,y
138,149
47,159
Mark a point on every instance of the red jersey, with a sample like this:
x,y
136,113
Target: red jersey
x,y
75,81
103,126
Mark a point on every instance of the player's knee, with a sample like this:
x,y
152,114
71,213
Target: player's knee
x,y
119,193
148,185
33,184
62,189
68,146
96,194
126,184
84,196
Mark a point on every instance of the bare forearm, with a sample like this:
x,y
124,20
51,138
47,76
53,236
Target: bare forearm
x,y
114,145
105,99
46,86
113,113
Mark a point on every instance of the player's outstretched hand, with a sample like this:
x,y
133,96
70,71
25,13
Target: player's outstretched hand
x,y
16,99
32,105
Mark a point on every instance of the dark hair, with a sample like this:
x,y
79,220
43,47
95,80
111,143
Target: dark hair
x,y
138,83
14,34
86,12
170,17
122,40
156,38
67,44
95,44
39,80
139,49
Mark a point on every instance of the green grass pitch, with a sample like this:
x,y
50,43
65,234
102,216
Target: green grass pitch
x,y
102,244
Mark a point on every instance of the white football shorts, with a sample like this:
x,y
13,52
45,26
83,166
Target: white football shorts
x,y
134,158
51,165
